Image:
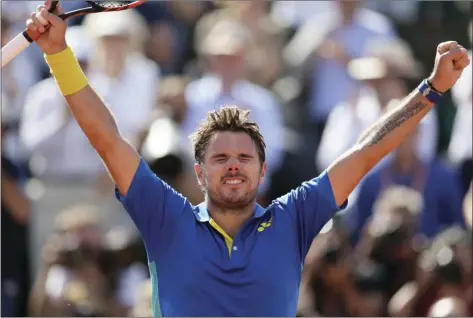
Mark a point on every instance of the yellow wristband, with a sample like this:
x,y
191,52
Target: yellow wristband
x,y
67,72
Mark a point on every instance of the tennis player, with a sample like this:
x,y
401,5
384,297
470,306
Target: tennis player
x,y
228,256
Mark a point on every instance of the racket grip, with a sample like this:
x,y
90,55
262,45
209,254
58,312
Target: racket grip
x,y
14,47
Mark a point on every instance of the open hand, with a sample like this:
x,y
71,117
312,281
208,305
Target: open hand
x,y
50,26
450,61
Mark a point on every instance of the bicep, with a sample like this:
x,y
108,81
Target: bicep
x,y
122,162
346,173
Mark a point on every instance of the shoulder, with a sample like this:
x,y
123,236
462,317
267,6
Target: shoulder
x,y
320,185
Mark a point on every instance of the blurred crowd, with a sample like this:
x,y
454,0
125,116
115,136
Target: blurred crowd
x,y
314,74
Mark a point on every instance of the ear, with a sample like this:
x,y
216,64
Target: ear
x,y
199,173
263,172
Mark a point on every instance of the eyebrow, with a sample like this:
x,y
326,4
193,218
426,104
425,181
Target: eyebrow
x,y
222,155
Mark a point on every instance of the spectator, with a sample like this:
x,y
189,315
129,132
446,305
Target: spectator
x,y
443,271
323,46
383,74
389,240
14,89
437,183
171,25
15,237
123,258
460,147
47,129
69,264
263,58
164,145
329,288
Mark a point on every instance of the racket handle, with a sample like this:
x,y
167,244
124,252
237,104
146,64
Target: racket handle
x,y
20,42
17,45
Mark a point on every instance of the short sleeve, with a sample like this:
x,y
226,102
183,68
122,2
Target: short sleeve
x,y
153,206
311,206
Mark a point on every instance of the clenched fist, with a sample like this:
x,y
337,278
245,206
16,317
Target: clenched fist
x,y
450,61
50,26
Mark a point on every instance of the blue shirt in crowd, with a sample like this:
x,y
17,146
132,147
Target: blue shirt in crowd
x,y
199,270
440,188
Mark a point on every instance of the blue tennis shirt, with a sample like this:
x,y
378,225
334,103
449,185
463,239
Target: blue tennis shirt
x,y
198,270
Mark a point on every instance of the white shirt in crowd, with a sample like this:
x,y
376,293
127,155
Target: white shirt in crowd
x,y
57,139
329,76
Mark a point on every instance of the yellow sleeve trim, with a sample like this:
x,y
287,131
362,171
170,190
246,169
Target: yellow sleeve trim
x,y
67,72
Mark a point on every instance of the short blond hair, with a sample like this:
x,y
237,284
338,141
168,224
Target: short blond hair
x,y
227,118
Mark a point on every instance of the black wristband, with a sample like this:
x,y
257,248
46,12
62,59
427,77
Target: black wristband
x,y
433,87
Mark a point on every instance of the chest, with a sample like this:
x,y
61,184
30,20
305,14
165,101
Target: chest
x,y
262,255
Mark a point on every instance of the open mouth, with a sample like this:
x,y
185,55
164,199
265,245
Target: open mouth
x,y
233,181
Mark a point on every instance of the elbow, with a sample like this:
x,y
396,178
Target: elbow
x,y
103,143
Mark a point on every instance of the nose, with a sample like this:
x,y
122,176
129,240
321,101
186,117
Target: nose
x,y
233,164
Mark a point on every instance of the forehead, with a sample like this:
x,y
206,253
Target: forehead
x,y
228,142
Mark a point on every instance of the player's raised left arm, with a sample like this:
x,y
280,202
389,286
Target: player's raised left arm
x,y
389,131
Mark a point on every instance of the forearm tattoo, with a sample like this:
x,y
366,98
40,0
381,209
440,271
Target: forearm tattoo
x,y
391,122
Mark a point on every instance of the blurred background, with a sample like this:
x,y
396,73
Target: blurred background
x,y
315,74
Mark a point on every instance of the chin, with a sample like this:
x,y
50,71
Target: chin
x,y
235,201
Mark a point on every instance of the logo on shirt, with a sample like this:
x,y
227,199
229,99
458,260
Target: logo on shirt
x,y
264,225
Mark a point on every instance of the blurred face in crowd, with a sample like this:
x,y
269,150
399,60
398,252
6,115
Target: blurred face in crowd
x,y
172,93
388,88
231,171
113,51
348,8
228,66
88,234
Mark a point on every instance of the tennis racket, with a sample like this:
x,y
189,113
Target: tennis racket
x,y
20,42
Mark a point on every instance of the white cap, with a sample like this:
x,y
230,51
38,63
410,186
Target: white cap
x,y
383,55
127,23
79,41
124,23
227,37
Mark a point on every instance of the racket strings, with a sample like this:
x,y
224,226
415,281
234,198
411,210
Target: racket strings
x,y
111,4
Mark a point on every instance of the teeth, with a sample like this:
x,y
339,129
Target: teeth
x,y
233,181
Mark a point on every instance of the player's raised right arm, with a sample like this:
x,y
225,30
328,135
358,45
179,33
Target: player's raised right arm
x,y
94,118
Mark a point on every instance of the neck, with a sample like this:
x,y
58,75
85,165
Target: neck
x,y
227,84
230,220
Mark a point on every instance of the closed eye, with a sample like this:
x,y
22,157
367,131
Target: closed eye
x,y
245,158
219,158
